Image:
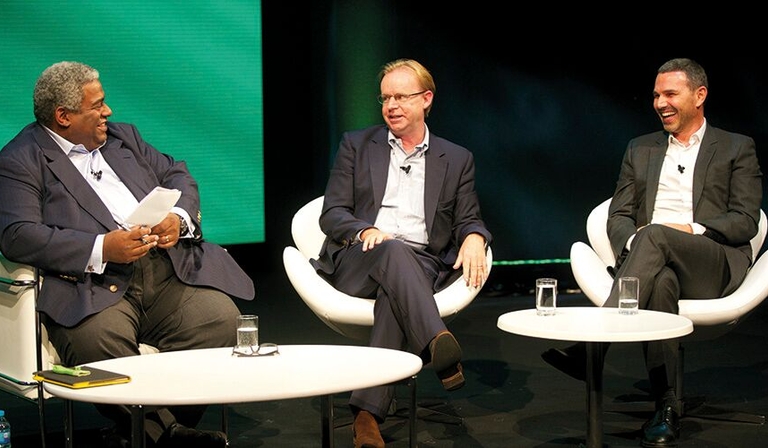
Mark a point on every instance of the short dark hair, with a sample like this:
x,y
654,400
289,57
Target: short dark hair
x,y
695,73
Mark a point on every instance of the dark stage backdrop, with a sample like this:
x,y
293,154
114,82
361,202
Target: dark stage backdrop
x,y
545,99
188,74
547,107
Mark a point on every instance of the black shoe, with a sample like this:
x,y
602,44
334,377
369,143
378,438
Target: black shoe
x,y
179,436
571,360
662,430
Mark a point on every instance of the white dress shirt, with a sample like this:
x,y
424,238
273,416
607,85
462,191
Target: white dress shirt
x,y
402,208
111,190
674,197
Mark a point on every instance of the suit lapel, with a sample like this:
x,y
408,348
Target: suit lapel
x,y
123,163
436,167
655,161
379,168
706,152
73,181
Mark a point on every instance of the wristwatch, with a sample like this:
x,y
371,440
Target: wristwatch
x,y
183,226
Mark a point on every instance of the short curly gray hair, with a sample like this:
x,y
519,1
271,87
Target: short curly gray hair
x,y
61,85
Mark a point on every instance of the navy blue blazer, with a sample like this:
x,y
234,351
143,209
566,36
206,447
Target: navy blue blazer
x,y
356,186
50,217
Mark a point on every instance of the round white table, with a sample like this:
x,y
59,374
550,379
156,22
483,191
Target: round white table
x,y
215,376
595,326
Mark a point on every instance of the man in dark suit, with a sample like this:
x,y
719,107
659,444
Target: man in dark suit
x,y
685,207
402,217
67,184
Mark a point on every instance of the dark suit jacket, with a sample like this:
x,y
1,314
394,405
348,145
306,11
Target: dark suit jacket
x,y
356,186
50,217
727,190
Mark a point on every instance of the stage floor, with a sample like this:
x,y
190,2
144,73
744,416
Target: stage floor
x,y
511,399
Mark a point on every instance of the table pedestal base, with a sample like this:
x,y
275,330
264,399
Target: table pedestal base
x,y
138,439
595,361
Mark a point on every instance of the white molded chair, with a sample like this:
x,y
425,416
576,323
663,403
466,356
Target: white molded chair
x,y
347,315
711,318
27,348
353,316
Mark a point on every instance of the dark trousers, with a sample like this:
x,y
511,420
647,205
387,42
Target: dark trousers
x,y
672,265
157,310
402,281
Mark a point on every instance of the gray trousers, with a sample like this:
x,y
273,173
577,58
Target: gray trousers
x,y
672,265
157,310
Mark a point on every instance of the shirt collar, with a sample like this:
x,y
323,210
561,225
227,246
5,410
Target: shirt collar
x,y
65,144
694,140
421,147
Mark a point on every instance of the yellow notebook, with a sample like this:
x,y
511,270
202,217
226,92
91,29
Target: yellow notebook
x,y
97,377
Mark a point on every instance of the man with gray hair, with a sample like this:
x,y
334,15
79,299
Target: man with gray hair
x,y
68,182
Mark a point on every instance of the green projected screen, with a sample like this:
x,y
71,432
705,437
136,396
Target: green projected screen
x,y
187,74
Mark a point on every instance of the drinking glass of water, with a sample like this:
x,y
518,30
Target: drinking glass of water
x,y
247,333
629,289
546,296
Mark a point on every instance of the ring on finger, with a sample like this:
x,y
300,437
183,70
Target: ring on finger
x,y
167,238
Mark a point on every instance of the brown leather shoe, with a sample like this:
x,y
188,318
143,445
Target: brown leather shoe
x,y
365,431
446,357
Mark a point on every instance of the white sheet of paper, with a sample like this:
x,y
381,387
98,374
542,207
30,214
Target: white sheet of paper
x,y
154,207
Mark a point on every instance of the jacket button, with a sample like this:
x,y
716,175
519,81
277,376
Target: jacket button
x,y
113,288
